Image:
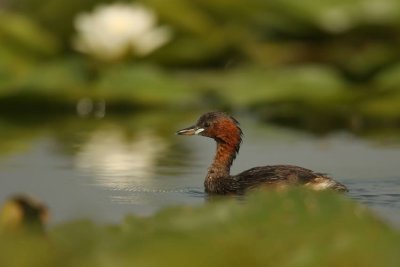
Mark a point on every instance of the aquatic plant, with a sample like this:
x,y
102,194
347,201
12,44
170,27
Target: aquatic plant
x,y
289,228
112,31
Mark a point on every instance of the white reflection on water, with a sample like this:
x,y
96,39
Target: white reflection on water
x,y
118,162
132,174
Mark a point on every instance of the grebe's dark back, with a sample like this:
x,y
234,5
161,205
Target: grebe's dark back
x,y
225,130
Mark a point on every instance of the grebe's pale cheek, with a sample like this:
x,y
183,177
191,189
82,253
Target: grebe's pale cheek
x,y
199,130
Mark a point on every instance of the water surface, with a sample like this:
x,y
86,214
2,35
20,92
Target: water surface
x,y
105,169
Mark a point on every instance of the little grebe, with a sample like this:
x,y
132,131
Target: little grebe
x,y
225,130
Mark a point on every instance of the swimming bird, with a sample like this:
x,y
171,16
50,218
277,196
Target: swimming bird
x,y
225,130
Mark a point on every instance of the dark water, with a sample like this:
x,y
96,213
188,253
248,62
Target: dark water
x,y
104,169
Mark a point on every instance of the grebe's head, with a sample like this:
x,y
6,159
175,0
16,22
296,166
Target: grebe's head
x,y
217,125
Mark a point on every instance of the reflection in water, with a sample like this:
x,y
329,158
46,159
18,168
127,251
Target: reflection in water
x,y
121,163
131,170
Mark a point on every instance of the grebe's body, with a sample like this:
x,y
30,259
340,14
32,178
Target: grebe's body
x,y
226,132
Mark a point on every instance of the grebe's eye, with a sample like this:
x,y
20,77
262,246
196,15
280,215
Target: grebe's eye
x,y
206,124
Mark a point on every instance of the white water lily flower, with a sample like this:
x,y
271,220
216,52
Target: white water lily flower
x,y
112,31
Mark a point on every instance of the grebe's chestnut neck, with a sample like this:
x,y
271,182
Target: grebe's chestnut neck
x,y
225,130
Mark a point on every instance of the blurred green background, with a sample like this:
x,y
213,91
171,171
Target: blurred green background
x,y
317,66
320,67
